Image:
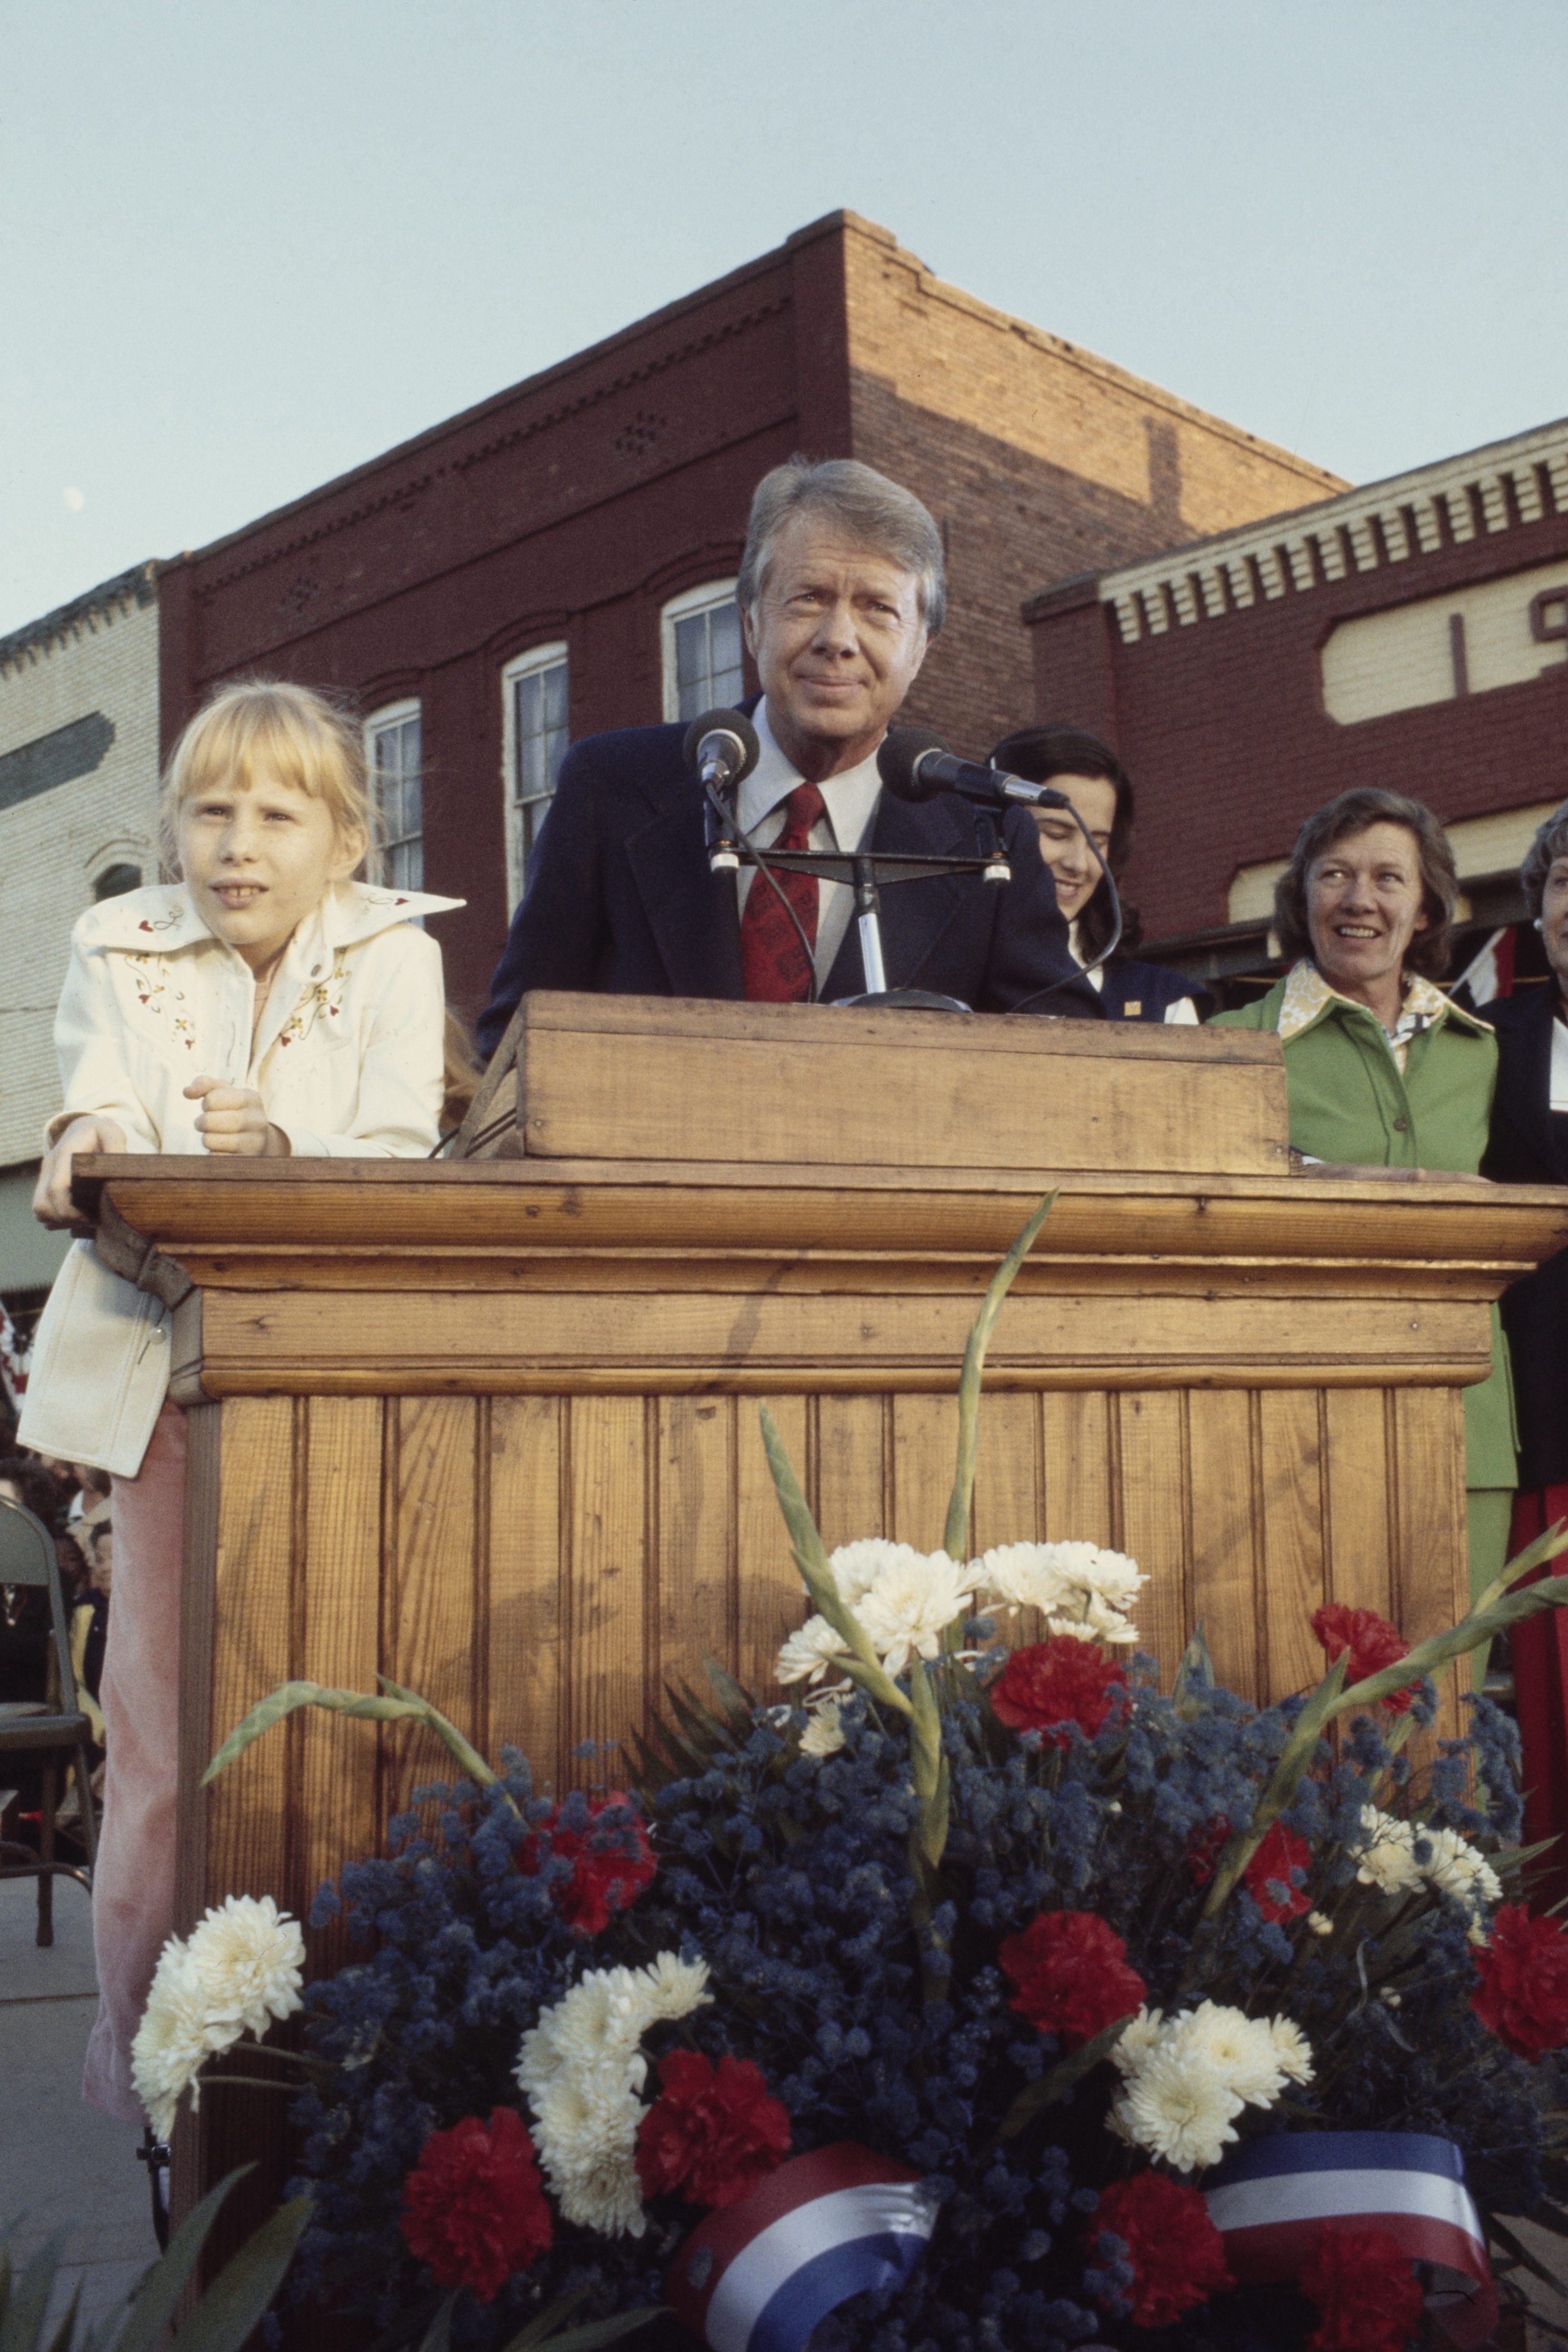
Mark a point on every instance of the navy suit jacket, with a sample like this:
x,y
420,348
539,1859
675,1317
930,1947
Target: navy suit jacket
x,y
1530,1146
620,898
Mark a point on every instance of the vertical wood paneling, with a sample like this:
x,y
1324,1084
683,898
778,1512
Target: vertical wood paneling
x,y
524,1567
252,1608
1009,1498
1292,1469
435,1633
339,1604
1431,1571
1226,1534
1154,1506
1361,1500
254,1571
852,1481
697,1603
770,1601
203,1500
607,1610
925,1450
1081,1494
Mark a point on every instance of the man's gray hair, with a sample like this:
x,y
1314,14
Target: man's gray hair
x,y
871,511
1550,843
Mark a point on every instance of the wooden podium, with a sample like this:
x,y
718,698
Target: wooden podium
x,y
490,1429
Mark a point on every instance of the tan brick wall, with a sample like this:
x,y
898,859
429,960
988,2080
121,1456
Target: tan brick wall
x,y
1040,460
52,846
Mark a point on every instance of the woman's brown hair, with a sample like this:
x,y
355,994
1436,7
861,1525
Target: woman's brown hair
x,y
1037,753
1352,813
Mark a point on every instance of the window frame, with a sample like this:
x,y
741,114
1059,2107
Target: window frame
x,y
705,598
379,862
555,652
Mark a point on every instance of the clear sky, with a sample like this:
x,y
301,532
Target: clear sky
x,y
247,244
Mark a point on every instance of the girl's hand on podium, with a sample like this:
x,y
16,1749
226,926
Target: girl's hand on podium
x,y
233,1119
52,1203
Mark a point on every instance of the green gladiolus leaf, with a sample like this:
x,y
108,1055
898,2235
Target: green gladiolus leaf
x,y
956,1538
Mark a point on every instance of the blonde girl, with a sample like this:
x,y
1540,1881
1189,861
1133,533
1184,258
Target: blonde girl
x,y
265,1003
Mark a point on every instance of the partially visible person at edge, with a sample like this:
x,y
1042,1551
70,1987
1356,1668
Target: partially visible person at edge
x,y
841,592
264,1003
1383,1070
1530,1146
1088,772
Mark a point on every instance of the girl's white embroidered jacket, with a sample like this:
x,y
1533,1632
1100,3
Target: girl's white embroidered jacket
x,y
348,1061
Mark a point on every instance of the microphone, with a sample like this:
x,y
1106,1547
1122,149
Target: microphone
x,y
916,765
720,748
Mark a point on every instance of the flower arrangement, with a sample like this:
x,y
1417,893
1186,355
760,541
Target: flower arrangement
x,y
1063,1961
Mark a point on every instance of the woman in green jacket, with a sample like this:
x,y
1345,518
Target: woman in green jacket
x,y
1383,1070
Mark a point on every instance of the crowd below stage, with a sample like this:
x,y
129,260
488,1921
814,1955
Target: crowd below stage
x,y
269,1001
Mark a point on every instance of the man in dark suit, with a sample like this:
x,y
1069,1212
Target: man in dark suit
x,y
841,591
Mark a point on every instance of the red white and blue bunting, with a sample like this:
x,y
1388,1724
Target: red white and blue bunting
x,y
760,2274
1272,2197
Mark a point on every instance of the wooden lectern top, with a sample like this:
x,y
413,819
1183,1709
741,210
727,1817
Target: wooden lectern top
x,y
628,1077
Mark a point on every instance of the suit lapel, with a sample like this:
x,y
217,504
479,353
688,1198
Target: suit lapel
x,y
691,912
1538,1083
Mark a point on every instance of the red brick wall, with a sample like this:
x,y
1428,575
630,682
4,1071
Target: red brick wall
x,y
574,505
1222,726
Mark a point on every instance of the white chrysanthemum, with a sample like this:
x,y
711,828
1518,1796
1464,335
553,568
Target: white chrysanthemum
x,y
175,2035
1387,1859
1238,2050
823,1735
807,1655
1020,1576
1079,1589
585,2129
582,2068
669,1987
911,1604
857,1566
251,1959
1107,1576
1292,2051
1137,2040
1178,2108
1456,1867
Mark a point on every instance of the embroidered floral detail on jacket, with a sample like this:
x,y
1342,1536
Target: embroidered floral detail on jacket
x,y
326,998
150,978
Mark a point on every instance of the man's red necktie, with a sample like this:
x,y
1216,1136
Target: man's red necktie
x,y
774,966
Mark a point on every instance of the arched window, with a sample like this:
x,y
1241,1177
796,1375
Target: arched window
x,y
116,880
701,646
534,735
392,755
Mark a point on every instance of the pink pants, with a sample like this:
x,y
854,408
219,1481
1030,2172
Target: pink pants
x,y
133,1884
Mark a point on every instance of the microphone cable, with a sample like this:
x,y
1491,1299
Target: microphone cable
x,y
1106,952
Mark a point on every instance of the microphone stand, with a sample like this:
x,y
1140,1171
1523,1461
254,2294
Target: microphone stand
x,y
868,874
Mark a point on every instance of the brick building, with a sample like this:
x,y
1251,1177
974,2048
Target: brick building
x,y
79,797
1412,634
560,559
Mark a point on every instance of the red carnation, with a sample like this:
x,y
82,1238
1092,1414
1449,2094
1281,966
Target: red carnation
x,y
1072,1976
1052,1685
473,2206
1372,1643
712,2135
1366,2292
1267,1876
1177,2253
611,1859
1523,1995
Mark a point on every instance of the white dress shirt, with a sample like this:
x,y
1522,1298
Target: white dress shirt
x,y
850,805
1559,1096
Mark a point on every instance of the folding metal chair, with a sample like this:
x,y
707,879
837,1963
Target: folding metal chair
x,y
27,1555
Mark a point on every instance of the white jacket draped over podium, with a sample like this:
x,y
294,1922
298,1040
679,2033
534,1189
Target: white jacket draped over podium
x,y
348,1060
